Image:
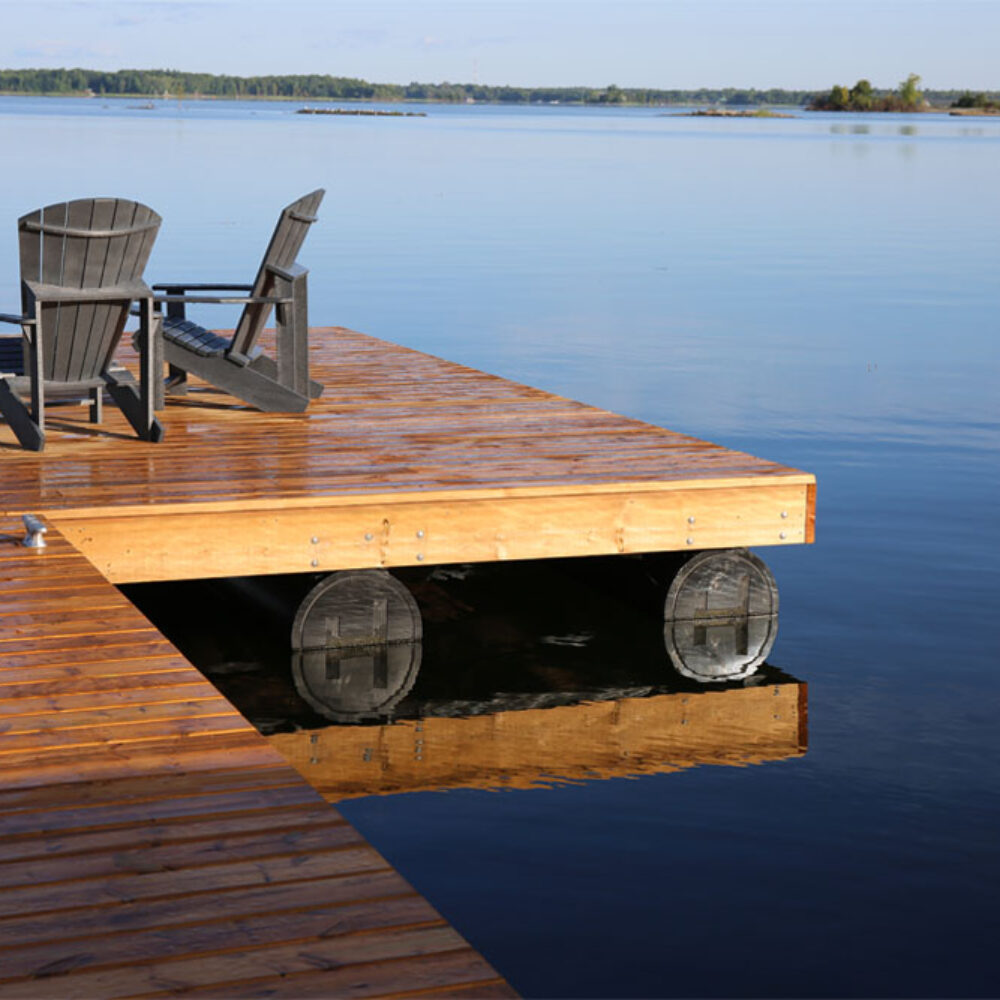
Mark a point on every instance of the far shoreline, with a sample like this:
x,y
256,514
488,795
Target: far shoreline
x,y
739,111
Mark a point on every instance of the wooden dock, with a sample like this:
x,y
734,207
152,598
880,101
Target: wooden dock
x,y
152,842
406,459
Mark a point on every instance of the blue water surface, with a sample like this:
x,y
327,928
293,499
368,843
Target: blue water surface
x,y
821,291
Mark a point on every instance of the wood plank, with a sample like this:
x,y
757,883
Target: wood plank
x,y
22,682
50,652
188,689
154,885
364,536
318,923
170,755
161,833
145,855
246,964
460,973
127,917
158,794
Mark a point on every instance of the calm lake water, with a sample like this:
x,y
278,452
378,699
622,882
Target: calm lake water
x,y
821,291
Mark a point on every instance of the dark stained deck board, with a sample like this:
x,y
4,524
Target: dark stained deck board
x,y
140,855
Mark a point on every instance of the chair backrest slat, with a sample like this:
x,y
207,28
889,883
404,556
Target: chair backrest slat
x,y
91,243
95,323
30,248
62,352
53,247
282,251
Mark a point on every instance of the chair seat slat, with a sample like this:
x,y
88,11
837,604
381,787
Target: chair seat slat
x,y
194,337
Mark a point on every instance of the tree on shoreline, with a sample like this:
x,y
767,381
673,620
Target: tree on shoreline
x,y
909,93
862,97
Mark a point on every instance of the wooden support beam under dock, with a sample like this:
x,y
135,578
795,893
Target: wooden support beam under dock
x,y
153,843
406,459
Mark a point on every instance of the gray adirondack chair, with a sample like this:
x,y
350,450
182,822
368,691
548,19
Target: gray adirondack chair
x,y
237,364
81,272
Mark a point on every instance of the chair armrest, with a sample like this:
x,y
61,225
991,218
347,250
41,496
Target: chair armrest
x,y
226,300
111,293
183,286
289,273
19,320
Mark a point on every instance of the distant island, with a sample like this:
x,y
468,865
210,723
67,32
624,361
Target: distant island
x,y
730,113
373,112
908,97
173,85
976,104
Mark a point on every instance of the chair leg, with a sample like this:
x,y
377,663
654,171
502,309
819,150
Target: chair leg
x,y
292,333
29,434
177,381
97,405
126,395
267,366
35,370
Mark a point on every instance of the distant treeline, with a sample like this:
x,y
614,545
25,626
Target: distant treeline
x,y
160,83
157,83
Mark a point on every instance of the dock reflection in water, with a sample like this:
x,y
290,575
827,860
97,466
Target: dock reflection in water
x,y
527,675
514,747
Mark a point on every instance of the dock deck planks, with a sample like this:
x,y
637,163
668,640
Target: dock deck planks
x,y
405,459
152,842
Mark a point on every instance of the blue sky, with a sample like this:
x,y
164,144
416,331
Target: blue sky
x,y
809,44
